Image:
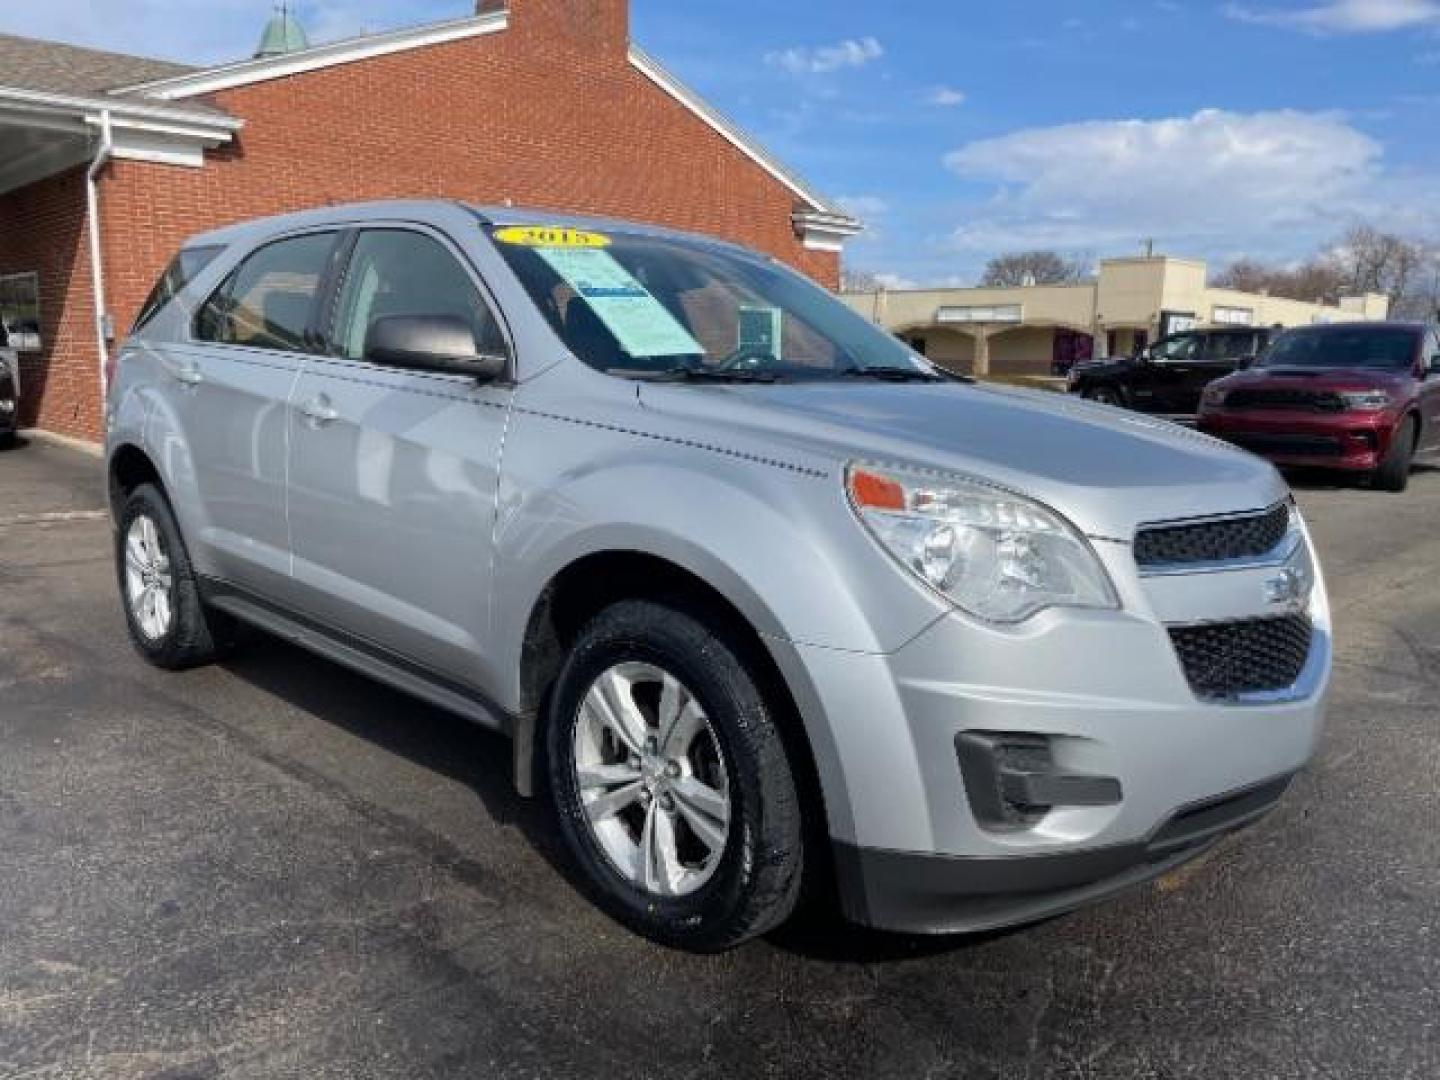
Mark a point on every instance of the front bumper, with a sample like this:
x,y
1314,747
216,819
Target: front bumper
x,y
911,893
1106,693
1354,442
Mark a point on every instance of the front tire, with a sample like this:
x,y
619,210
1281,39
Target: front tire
x,y
1105,395
671,781
1394,472
169,625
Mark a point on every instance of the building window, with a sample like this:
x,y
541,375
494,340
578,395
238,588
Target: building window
x,y
1233,316
20,310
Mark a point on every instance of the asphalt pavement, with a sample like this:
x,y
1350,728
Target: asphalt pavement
x,y
277,868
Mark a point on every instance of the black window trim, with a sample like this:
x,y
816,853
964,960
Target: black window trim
x,y
340,268
250,252
150,309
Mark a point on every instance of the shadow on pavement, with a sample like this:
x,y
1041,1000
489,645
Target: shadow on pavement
x,y
1309,479
481,760
401,725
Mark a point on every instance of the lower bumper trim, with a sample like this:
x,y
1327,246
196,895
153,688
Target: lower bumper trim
x,y
937,894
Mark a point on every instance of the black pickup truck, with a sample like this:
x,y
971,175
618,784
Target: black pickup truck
x,y
1169,377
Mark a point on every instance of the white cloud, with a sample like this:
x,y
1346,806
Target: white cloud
x,y
1344,16
1216,177
823,59
945,97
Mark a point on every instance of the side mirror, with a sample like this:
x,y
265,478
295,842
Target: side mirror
x,y
441,343
1244,363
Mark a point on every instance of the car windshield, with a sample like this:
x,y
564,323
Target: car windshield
x,y
1174,348
1362,347
641,306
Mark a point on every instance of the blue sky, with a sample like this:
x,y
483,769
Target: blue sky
x,y
959,129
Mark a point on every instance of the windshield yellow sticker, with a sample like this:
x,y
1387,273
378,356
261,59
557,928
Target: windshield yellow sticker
x,y
545,236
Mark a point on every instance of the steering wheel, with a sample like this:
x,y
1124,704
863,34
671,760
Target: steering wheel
x,y
748,358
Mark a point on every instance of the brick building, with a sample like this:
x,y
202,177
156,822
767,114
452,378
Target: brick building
x,y
107,162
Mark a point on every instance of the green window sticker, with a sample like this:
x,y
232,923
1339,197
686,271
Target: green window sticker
x,y
641,324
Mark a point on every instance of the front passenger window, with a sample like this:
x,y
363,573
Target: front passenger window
x,y
399,272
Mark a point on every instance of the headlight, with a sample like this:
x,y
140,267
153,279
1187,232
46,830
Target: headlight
x,y
1366,400
996,555
1213,396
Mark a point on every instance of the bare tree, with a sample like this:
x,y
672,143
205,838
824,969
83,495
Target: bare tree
x,y
1380,262
853,280
1365,259
1034,268
1318,280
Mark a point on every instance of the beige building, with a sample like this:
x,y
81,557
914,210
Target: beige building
x,y
1039,329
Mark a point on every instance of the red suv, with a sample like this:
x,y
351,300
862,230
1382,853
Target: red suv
x,y
1362,397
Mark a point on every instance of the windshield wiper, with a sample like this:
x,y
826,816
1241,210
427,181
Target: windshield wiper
x,y
893,374
685,373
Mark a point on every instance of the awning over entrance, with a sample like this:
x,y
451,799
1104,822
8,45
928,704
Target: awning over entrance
x,y
42,133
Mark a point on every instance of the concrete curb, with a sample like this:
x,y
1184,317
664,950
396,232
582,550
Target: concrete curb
x,y
84,446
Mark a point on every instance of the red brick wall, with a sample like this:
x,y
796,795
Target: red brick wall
x,y
42,229
548,114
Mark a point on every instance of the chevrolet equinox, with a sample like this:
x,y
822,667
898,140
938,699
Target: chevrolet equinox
x,y
763,600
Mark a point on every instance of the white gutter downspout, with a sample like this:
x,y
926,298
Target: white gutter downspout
x,y
97,269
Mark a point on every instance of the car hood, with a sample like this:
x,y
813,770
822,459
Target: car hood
x,y
1320,379
1106,469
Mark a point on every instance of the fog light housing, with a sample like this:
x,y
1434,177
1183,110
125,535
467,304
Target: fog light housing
x,y
1012,780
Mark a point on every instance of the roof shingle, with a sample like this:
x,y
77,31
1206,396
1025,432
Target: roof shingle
x,y
55,68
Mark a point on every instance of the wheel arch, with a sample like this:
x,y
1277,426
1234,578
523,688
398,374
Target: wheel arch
x,y
128,468
593,581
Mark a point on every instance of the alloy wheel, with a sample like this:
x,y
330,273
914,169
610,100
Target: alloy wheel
x,y
149,583
652,780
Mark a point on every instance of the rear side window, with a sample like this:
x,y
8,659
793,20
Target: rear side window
x,y
1226,347
267,302
183,269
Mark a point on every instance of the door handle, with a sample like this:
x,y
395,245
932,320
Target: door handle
x,y
188,373
319,411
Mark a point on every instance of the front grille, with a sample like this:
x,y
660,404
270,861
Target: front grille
x,y
1242,537
1288,445
1226,660
1287,399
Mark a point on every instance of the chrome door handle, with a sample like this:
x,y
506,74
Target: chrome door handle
x,y
189,374
320,412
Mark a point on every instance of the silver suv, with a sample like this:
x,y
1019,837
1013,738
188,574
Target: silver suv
x,y
765,601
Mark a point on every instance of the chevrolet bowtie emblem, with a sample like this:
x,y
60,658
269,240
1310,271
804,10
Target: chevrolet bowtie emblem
x,y
1288,587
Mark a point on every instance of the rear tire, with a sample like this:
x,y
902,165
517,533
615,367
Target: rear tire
x,y
672,786
1394,472
169,624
